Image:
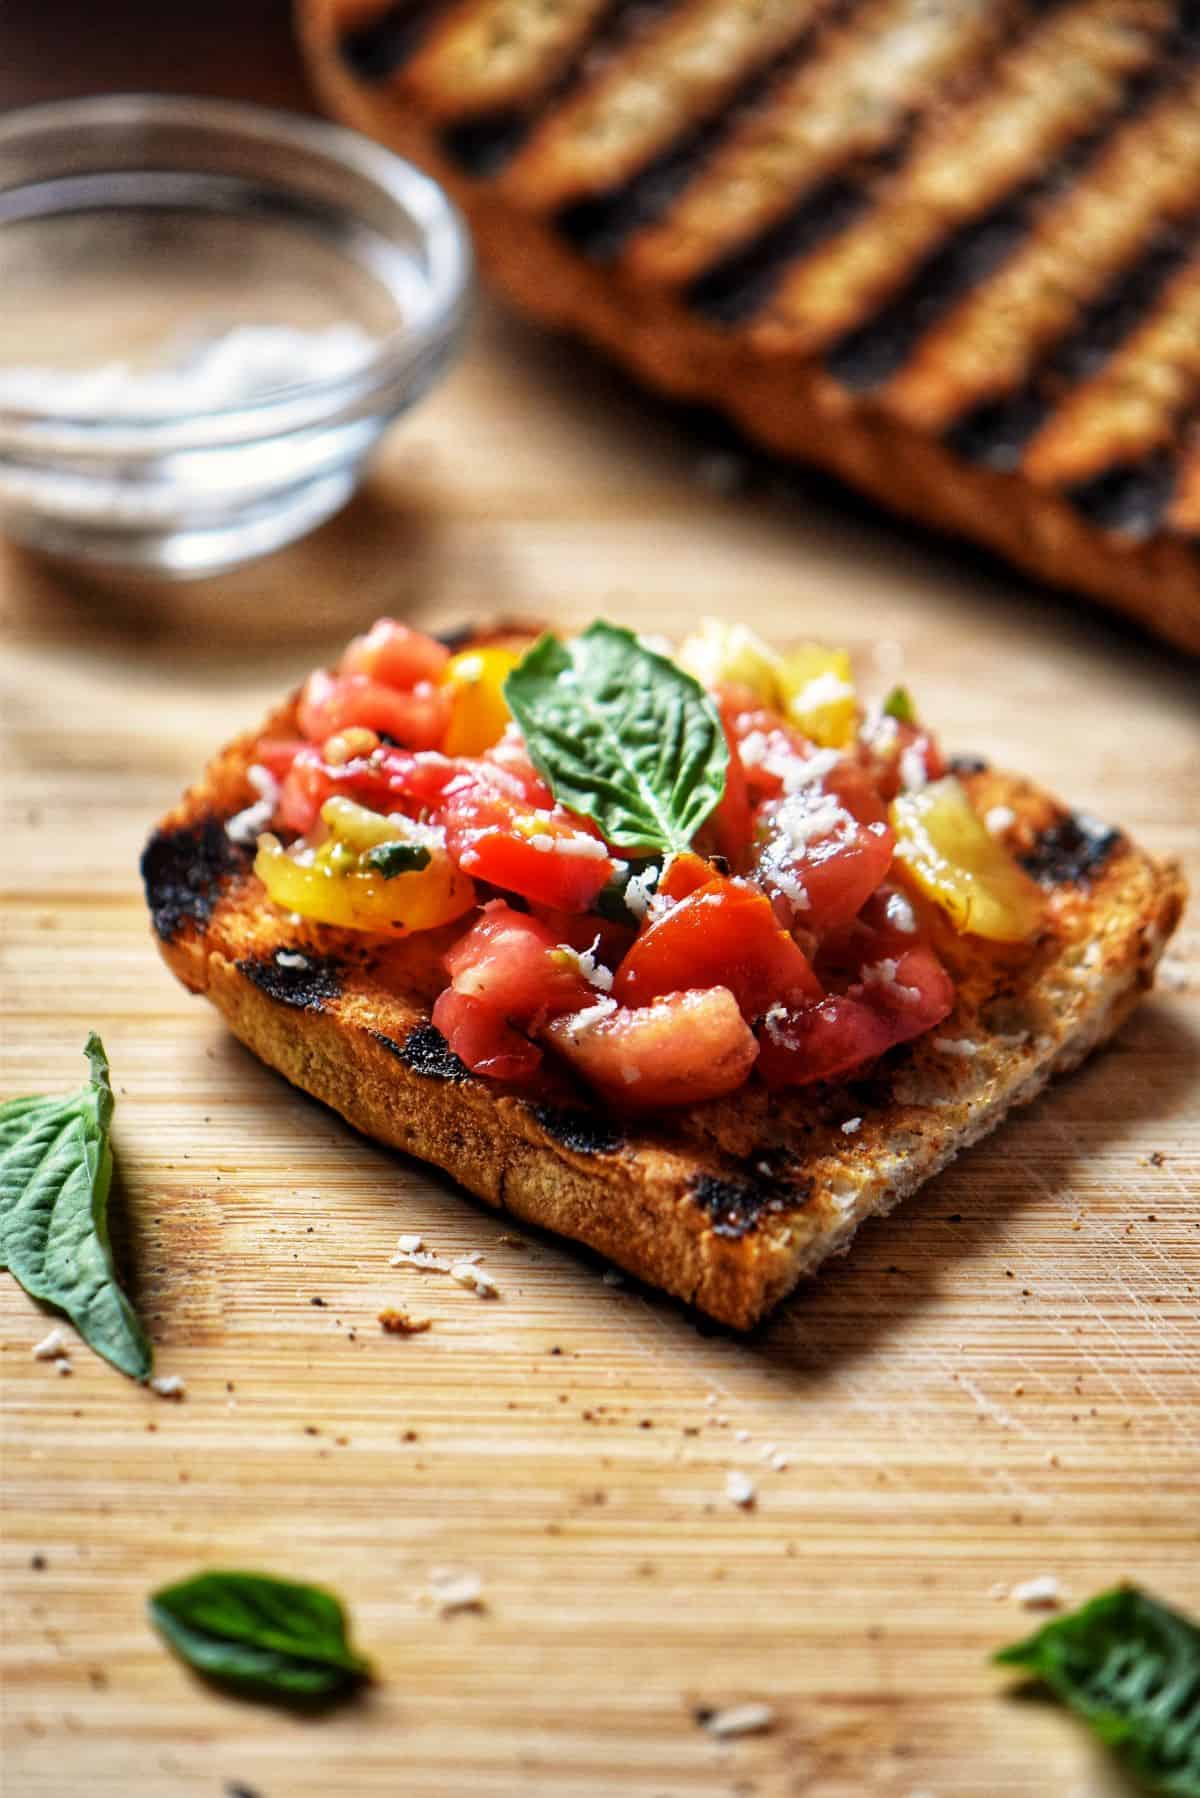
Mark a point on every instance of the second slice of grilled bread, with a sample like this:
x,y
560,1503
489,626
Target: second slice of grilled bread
x,y
948,248
725,1204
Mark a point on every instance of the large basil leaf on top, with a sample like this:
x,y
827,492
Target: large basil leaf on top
x,y
55,1172
1131,1666
622,736
271,1638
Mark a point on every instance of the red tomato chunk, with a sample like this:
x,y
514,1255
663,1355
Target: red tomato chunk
x,y
679,1050
723,934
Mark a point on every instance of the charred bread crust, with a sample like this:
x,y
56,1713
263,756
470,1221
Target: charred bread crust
x,y
1115,535
726,1205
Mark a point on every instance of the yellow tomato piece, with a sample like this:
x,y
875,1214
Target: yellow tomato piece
x,y
721,654
817,688
361,899
361,828
945,850
478,713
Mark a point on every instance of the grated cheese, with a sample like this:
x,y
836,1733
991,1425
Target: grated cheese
x,y
851,1125
900,914
422,1259
474,1279
999,819
408,1245
287,958
962,1046
585,963
168,1385
581,1022
51,1346
246,826
912,769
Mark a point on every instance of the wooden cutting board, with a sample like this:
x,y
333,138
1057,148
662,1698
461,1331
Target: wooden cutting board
x,y
1002,1381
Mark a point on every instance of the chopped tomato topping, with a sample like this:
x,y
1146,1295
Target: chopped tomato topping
x,y
480,1036
819,1042
684,874
820,860
680,1049
335,702
397,656
545,855
723,934
804,943
513,963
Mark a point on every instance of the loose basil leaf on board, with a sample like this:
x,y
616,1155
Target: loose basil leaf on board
x,y
269,1638
899,705
390,859
622,736
1131,1666
55,1173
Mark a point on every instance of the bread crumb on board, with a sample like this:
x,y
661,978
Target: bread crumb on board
x,y
750,1719
398,1322
739,1488
455,1590
168,1385
1042,1593
51,1347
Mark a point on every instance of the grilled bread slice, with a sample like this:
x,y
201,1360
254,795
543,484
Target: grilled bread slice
x,y
725,1204
949,249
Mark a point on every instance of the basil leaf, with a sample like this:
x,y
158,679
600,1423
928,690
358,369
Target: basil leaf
x,y
622,736
268,1637
1131,1666
390,859
899,705
55,1172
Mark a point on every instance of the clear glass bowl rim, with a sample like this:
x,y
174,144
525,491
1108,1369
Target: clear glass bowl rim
x,y
398,356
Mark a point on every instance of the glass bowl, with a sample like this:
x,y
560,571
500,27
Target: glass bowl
x,y
209,314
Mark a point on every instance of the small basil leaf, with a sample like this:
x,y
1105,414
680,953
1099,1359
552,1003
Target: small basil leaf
x,y
622,736
268,1637
390,859
55,1173
1131,1666
899,705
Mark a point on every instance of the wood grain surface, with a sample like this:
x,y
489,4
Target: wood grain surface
x,y
1002,1381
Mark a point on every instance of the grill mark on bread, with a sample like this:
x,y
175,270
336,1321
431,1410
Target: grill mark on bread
x,y
1057,90
982,131
736,1206
846,106
1131,498
1129,414
376,49
583,1132
678,72
601,225
185,872
504,55
425,1051
994,432
1071,851
1144,179
308,987
974,264
482,129
736,289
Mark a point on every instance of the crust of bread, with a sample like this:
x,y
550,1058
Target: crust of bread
x,y
729,1204
786,400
